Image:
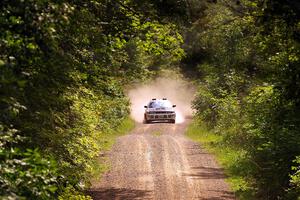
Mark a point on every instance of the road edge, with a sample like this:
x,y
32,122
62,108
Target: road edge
x,y
225,156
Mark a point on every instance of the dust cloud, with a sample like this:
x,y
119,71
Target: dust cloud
x,y
178,91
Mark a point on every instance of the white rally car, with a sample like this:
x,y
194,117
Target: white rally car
x,y
159,110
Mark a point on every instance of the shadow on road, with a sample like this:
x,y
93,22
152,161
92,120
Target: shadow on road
x,y
119,193
207,173
220,195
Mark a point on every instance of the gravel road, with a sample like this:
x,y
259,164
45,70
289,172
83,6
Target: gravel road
x,y
156,161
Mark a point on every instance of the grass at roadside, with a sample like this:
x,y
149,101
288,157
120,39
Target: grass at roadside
x,y
231,159
106,141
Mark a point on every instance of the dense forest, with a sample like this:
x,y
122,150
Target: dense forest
x,y
247,55
64,65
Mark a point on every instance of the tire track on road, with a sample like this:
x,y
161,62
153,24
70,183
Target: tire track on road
x,y
156,161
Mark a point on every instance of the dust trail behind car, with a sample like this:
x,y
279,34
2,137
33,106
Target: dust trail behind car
x,y
178,91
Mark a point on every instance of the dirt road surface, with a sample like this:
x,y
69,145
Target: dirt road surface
x,y
156,161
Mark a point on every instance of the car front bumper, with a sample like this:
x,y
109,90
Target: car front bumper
x,y
160,116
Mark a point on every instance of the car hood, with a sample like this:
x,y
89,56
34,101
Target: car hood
x,y
159,109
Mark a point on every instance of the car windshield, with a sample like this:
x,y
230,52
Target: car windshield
x,y
160,104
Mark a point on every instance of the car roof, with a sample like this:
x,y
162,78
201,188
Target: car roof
x,y
162,99
159,100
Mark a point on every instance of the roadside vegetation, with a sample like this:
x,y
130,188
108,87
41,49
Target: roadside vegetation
x,y
228,156
64,66
246,55
101,164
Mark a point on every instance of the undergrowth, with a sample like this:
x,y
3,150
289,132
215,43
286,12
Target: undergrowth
x,y
233,160
106,141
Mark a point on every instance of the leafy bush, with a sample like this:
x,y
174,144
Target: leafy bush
x,y
249,91
206,105
294,192
71,194
25,174
63,67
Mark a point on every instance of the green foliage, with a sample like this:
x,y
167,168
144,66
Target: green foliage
x,y
295,180
105,142
274,138
91,116
249,90
233,161
25,174
63,67
71,194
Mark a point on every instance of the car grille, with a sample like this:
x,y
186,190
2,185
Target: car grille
x,y
156,115
161,116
